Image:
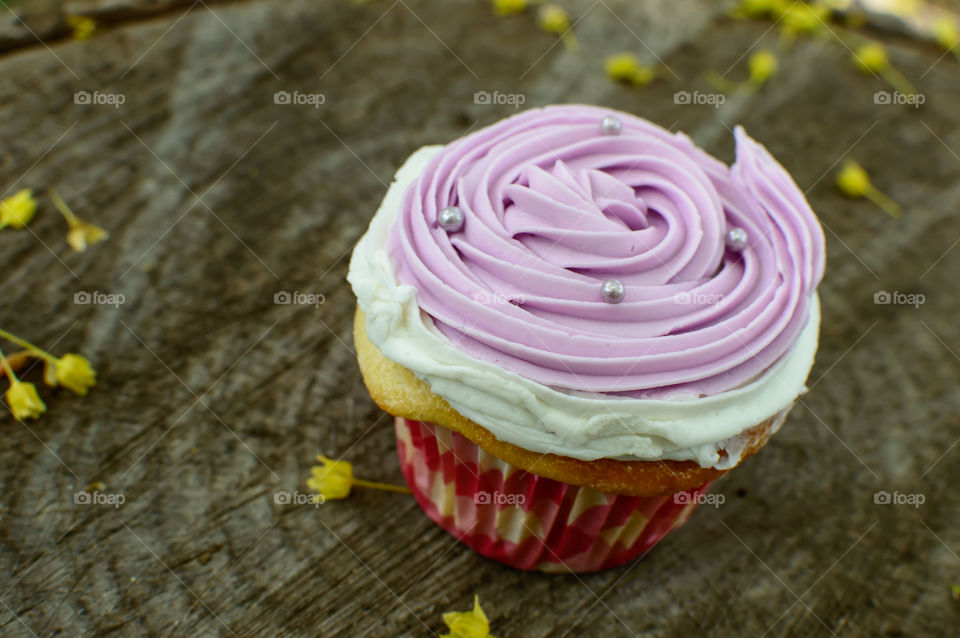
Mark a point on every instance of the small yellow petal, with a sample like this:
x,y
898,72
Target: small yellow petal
x,y
625,67
805,17
50,373
761,8
83,234
17,210
81,26
75,373
508,7
763,65
853,180
871,58
24,401
945,33
478,611
554,19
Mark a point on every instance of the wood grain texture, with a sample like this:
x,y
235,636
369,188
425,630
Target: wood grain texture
x,y
212,397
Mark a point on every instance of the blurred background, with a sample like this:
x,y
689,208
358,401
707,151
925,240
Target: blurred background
x,y
184,182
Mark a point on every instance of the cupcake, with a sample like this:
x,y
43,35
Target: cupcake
x,y
579,320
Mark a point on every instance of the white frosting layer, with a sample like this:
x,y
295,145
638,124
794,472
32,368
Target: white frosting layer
x,y
542,419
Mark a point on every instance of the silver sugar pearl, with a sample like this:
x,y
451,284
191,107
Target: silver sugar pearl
x,y
612,291
450,219
736,239
610,125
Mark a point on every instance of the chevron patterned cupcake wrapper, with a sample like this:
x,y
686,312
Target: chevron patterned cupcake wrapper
x,y
524,520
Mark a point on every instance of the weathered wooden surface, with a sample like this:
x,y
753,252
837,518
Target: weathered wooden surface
x,y
211,397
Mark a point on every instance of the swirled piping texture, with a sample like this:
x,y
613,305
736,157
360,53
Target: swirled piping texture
x,y
553,208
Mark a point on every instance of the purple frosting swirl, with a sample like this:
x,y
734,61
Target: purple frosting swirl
x,y
553,208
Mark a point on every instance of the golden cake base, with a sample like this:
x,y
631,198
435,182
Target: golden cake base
x,y
398,391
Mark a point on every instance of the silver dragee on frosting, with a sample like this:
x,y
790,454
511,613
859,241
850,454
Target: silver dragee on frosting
x,y
553,208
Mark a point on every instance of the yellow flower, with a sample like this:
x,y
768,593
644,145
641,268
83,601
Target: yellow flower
x,y
871,58
334,479
81,26
554,19
80,234
853,181
24,401
467,624
17,210
804,17
945,33
761,8
763,66
72,372
83,234
508,7
625,67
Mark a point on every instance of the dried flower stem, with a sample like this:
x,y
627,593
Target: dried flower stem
x,y
11,375
26,344
62,207
882,200
382,486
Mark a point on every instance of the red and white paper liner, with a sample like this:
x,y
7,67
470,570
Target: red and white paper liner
x,y
526,521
